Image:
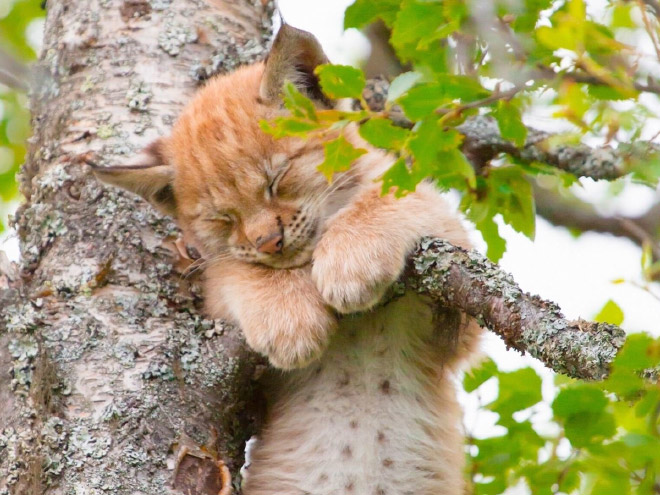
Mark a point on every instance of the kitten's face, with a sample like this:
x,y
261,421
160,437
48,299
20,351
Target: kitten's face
x,y
237,192
241,194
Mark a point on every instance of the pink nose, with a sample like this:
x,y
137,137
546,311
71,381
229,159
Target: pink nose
x,y
271,244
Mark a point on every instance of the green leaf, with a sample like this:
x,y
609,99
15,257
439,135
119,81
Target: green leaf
x,y
579,399
401,177
424,99
518,390
583,411
341,81
527,14
436,152
511,196
649,403
495,242
510,123
401,84
639,352
621,17
610,313
474,378
297,103
339,156
362,12
383,134
416,20
623,382
286,126
646,168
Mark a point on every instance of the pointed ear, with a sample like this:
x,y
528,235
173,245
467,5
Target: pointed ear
x,y
293,57
151,177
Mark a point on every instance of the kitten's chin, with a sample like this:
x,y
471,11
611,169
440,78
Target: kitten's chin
x,y
301,258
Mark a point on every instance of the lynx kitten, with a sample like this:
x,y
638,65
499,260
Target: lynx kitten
x,y
368,405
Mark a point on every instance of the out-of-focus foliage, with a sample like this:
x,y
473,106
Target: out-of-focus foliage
x,y
599,439
15,18
496,58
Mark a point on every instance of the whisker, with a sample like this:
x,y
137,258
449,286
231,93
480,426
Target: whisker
x,y
195,267
329,190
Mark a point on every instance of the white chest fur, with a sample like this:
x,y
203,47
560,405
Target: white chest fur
x,y
377,415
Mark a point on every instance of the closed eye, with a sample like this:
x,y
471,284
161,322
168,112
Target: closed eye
x,y
220,217
271,189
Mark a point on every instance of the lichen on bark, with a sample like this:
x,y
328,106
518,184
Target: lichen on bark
x,y
469,281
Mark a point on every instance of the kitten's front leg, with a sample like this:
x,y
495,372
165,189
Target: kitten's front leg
x,y
280,312
364,247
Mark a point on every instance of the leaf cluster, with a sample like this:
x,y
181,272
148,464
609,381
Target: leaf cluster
x,y
600,438
492,61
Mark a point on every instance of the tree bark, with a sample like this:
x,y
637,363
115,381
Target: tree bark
x,y
468,281
111,381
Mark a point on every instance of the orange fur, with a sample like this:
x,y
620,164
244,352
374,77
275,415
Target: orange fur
x,y
376,412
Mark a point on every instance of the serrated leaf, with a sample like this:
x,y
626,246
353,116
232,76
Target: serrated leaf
x,y
509,120
339,156
511,196
610,313
287,126
436,152
341,81
416,20
424,99
400,177
383,134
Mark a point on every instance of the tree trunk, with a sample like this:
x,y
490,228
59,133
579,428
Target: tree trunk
x,y
111,381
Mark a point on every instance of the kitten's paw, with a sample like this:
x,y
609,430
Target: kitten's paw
x,y
291,337
353,277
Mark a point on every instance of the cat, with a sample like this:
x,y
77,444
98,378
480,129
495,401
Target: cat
x,y
365,401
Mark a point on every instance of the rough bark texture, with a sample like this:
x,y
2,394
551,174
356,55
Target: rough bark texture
x,y
111,381
467,280
109,375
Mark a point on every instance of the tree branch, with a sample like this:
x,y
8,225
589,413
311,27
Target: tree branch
x,y
468,281
575,214
13,73
483,142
